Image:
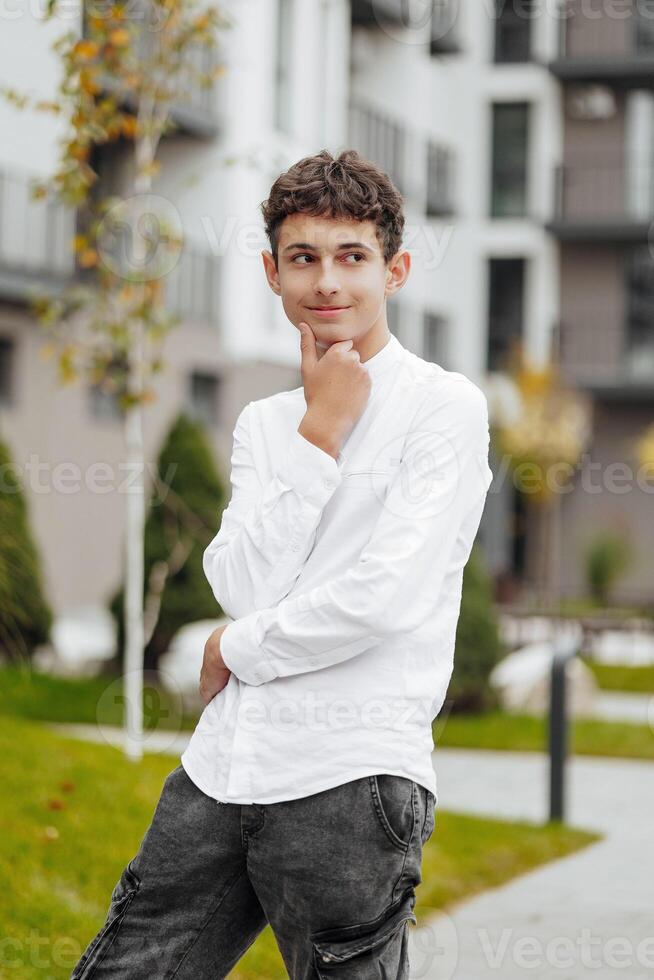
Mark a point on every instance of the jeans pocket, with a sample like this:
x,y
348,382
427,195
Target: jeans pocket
x,y
365,952
121,897
395,802
430,816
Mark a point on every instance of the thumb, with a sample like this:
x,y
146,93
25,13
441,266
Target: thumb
x,y
307,347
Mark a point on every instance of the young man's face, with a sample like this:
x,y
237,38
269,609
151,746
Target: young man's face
x,y
338,263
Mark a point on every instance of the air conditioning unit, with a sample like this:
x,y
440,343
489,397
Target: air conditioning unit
x,y
591,102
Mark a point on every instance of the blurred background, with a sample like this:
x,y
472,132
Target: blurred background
x,y
521,136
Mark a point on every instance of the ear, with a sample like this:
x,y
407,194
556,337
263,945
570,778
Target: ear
x,y
270,269
397,272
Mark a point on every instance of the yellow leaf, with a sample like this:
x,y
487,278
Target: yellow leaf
x,y
88,258
86,50
119,37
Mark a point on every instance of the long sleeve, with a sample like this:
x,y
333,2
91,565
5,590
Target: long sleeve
x,y
267,532
440,485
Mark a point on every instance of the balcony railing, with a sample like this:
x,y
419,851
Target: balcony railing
x,y
370,12
599,42
597,350
381,139
192,285
35,240
194,110
612,198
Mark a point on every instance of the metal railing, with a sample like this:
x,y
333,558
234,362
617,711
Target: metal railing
x,y
596,346
380,138
604,191
195,107
191,286
594,30
35,238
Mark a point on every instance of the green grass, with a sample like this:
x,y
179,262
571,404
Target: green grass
x,y
26,693
74,813
527,733
618,677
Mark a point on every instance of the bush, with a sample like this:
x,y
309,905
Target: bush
x,y
188,515
25,616
478,647
607,557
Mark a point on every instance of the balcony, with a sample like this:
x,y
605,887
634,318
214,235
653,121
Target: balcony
x,y
604,355
35,241
194,111
192,287
605,200
367,13
381,139
600,44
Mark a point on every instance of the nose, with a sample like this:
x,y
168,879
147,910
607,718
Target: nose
x,y
327,281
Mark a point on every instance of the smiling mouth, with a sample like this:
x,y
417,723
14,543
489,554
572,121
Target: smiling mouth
x,y
327,309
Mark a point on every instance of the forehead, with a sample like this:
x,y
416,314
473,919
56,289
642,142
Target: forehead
x,y
326,233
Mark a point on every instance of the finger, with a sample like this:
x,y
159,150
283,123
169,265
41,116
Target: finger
x,y
307,347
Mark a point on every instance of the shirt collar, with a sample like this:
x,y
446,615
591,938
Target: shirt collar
x,y
385,358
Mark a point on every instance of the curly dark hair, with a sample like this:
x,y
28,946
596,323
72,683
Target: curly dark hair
x,y
347,186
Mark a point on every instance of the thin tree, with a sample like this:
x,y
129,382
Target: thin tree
x,y
120,81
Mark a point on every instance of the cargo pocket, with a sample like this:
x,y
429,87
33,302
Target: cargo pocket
x,y
382,951
430,816
124,891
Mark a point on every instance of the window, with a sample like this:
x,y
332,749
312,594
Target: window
x,y
6,371
379,138
513,30
440,174
434,338
509,159
104,403
505,309
284,49
640,306
443,30
203,398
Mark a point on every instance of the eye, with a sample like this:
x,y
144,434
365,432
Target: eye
x,y
303,255
357,255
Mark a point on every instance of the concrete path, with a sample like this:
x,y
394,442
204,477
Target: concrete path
x,y
615,706
589,915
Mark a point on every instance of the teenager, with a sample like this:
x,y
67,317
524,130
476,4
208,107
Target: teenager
x,y
307,791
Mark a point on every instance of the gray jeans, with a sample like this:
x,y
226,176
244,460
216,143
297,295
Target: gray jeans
x,y
333,873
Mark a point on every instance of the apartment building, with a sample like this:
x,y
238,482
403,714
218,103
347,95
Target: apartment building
x,y
603,205
234,342
456,99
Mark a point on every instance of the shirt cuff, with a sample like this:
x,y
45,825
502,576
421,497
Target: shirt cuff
x,y
240,648
310,470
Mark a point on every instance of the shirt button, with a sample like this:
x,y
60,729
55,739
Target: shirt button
x,y
295,547
328,483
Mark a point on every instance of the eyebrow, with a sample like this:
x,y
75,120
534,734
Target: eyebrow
x,y
312,248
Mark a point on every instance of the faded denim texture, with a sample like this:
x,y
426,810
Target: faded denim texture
x,y
333,873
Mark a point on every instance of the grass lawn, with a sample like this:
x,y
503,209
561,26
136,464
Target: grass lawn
x,y
527,733
74,813
617,677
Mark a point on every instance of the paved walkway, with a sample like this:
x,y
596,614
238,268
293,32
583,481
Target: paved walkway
x,y
615,706
588,915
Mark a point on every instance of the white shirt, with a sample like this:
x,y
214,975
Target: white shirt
x,y
343,578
